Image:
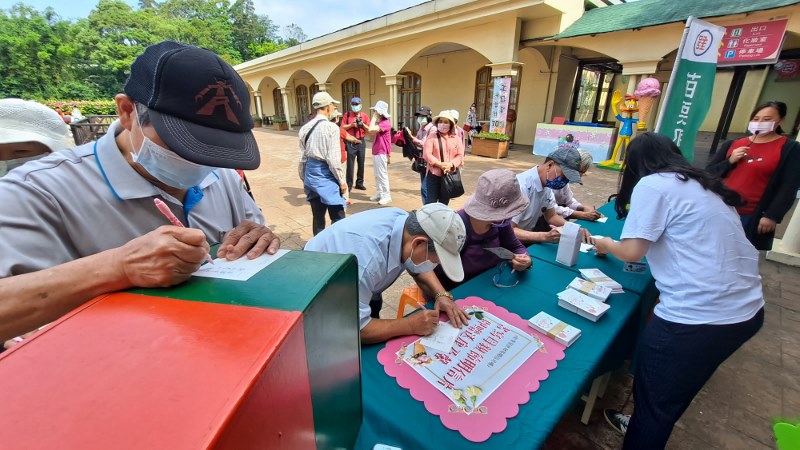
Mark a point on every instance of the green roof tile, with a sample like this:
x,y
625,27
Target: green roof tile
x,y
648,13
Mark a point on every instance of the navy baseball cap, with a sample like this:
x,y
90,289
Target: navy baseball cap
x,y
198,104
423,111
356,100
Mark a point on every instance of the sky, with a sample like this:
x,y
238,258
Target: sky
x,y
315,17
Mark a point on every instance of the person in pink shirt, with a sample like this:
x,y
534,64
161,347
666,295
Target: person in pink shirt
x,y
442,158
381,151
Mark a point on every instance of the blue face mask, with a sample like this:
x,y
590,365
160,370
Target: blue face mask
x,y
356,108
556,183
423,267
167,167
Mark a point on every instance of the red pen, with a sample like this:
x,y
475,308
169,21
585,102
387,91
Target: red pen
x,y
174,220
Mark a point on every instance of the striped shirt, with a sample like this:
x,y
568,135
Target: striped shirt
x,y
323,144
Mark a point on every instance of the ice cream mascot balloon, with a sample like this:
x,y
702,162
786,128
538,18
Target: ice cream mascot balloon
x,y
625,114
648,91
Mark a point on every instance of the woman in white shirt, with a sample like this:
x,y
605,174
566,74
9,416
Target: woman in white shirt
x,y
683,219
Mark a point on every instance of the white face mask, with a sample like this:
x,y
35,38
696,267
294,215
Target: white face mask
x,y
423,267
760,127
8,165
168,167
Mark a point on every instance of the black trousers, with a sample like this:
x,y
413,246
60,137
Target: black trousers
x,y
435,193
318,210
355,155
673,362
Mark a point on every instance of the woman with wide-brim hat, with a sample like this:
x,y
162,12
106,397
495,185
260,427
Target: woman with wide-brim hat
x,y
442,160
487,219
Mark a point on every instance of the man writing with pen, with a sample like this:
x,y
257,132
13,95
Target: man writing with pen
x,y
82,222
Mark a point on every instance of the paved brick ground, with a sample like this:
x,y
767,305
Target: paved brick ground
x,y
733,411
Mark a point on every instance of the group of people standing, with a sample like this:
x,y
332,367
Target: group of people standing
x,y
437,150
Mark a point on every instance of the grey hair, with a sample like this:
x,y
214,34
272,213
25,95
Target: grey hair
x,y
142,113
586,161
413,228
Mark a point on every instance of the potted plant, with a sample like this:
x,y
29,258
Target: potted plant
x,y
257,120
280,124
492,145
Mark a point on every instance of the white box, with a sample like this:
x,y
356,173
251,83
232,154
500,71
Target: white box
x,y
569,245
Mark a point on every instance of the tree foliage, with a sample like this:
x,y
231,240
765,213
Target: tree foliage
x,y
43,56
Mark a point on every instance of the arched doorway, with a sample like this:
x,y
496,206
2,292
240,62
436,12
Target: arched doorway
x,y
408,101
350,88
484,85
277,100
303,107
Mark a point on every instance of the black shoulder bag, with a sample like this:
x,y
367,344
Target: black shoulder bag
x,y
451,182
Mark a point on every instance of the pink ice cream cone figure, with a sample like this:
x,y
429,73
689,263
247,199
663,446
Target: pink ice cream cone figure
x,y
648,91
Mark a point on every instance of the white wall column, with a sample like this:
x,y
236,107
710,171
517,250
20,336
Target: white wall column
x,y
394,82
285,95
257,100
787,250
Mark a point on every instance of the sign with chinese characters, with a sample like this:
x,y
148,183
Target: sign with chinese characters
x,y
688,96
500,95
752,43
485,354
787,69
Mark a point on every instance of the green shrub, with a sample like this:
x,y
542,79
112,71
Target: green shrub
x,y
493,136
87,107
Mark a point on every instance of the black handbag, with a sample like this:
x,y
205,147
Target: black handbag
x,y
419,165
451,182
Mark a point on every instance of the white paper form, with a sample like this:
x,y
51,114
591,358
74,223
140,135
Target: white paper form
x,y
239,270
442,338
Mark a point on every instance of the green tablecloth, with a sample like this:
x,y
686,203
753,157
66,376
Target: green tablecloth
x,y
640,283
393,417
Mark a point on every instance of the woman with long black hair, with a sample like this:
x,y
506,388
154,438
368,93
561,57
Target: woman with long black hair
x,y
683,219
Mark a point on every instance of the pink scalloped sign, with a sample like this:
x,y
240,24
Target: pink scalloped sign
x,y
494,365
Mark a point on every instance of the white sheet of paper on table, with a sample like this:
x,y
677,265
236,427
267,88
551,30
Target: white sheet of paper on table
x,y
586,247
442,338
239,270
602,219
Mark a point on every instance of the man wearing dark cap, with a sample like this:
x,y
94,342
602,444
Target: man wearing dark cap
x,y
538,183
356,123
82,222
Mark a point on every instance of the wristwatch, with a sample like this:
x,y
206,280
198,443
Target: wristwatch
x,y
443,294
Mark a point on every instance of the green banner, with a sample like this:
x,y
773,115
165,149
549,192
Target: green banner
x,y
691,85
688,105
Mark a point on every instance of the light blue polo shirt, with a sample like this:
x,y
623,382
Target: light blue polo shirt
x,y
88,199
375,238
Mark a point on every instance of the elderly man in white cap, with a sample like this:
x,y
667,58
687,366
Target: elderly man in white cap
x,y
385,242
321,163
381,127
29,131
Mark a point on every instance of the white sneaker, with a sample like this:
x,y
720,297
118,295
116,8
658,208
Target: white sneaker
x,y
375,197
385,201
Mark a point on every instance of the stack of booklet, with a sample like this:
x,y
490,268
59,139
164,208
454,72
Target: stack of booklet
x,y
556,329
598,277
582,305
591,289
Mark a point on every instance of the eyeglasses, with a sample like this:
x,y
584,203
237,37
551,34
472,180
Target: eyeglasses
x,y
501,269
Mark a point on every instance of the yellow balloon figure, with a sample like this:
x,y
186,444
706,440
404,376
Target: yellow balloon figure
x,y
625,114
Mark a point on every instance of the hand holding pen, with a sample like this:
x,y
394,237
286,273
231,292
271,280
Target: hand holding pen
x,y
174,220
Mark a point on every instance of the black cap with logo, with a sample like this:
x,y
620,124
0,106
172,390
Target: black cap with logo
x,y
198,104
